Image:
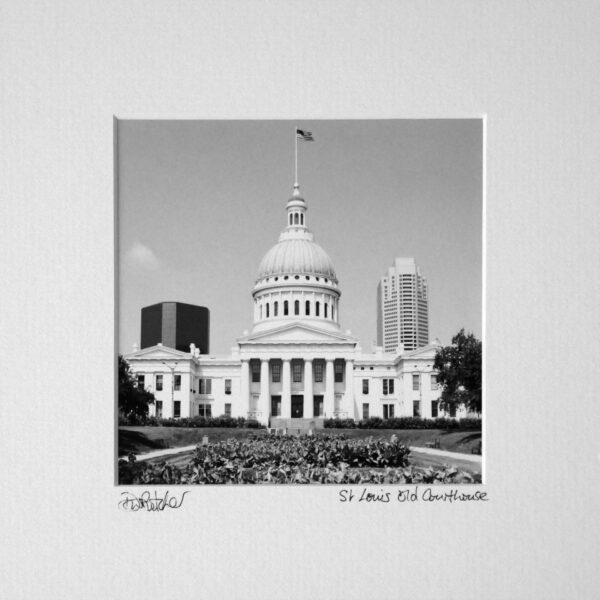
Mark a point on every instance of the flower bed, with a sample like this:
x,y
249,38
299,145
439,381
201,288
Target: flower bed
x,y
285,459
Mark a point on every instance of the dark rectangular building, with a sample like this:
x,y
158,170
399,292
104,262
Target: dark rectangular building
x,y
176,325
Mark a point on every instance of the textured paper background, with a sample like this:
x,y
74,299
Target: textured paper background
x,y
68,67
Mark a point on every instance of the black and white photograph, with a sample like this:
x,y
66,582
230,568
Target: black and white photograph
x,y
299,299
247,354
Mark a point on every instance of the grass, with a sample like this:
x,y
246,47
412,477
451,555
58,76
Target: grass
x,y
146,439
451,441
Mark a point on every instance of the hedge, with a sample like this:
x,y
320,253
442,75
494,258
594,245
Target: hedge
x,y
222,421
405,423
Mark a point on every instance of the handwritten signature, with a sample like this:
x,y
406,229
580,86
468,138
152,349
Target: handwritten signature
x,y
145,501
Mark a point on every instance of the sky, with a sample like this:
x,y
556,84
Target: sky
x,y
201,202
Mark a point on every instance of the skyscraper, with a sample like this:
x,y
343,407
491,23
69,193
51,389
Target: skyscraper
x,y
402,307
176,325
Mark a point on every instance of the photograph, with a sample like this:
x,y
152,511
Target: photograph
x,y
299,301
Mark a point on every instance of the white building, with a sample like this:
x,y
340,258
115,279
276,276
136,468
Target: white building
x,y
296,362
402,307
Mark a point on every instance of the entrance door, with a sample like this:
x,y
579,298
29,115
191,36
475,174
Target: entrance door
x,y
275,406
297,406
318,406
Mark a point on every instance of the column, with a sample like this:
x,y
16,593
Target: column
x,y
328,400
286,389
308,389
245,387
349,396
264,400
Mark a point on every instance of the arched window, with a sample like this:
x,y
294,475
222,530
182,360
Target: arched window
x,y
296,307
295,218
285,307
302,219
260,311
333,311
317,305
267,310
307,308
291,219
275,307
325,309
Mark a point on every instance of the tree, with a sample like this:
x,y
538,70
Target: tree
x,y
459,372
133,402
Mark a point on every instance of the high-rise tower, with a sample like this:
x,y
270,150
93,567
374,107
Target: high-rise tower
x,y
176,325
402,307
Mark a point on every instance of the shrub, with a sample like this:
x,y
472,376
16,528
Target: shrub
x,y
405,423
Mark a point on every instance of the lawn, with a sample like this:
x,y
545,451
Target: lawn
x,y
146,439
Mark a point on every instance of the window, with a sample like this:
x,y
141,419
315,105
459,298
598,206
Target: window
x,y
291,219
317,309
365,386
227,409
276,373
434,409
228,386
388,411
434,383
318,367
285,307
416,408
388,386
296,372
141,381
177,383
415,378
205,410
365,411
338,372
159,408
205,386
453,411
307,308
275,308
255,372
302,219
176,409
295,218
325,306
159,382
296,307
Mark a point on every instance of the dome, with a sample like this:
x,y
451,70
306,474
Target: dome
x,y
297,256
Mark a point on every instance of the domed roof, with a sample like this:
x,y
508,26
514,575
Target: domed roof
x,y
296,255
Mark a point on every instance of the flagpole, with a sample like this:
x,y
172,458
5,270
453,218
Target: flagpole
x,y
296,155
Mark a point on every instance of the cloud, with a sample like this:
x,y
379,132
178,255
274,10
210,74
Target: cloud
x,y
142,257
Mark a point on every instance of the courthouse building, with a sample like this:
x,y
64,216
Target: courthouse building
x,y
296,362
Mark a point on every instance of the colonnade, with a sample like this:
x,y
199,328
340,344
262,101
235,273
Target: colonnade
x,y
305,388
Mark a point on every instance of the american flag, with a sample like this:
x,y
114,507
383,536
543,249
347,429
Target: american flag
x,y
305,135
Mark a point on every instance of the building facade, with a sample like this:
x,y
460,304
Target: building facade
x,y
176,325
402,307
295,362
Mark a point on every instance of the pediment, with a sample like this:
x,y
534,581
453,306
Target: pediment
x,y
157,353
297,333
